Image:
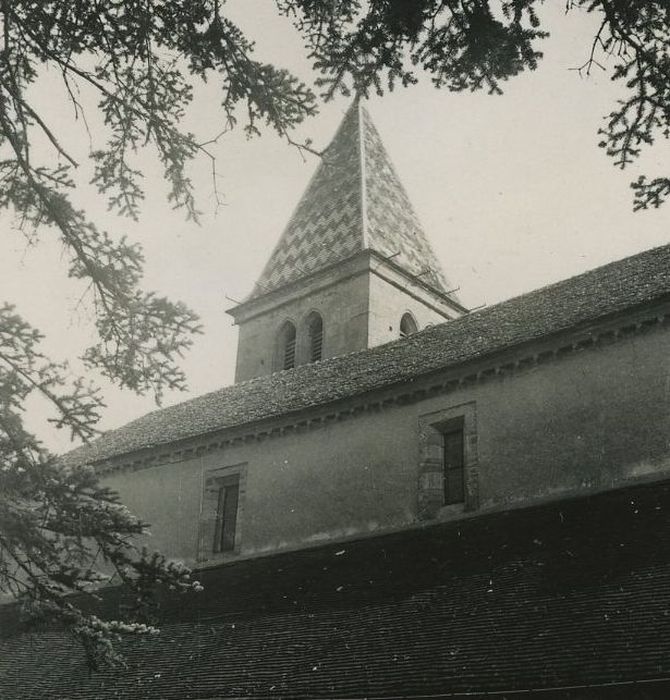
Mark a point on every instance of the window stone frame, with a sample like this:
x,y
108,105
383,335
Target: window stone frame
x,y
430,486
212,481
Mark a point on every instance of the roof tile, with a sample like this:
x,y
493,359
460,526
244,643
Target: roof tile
x,y
571,593
607,290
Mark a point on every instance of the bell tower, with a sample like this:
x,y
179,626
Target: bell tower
x,y
352,269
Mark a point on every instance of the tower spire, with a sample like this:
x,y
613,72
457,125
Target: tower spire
x,y
352,269
354,202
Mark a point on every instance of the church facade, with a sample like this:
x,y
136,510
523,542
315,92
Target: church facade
x,y
400,497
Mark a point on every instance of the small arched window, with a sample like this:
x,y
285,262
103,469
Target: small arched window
x,y
315,336
407,325
286,350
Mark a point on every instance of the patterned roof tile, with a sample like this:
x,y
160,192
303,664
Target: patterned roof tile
x,y
392,225
355,201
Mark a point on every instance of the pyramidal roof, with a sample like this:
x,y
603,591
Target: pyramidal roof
x,y
354,202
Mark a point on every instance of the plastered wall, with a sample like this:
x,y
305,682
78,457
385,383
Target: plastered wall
x,y
590,420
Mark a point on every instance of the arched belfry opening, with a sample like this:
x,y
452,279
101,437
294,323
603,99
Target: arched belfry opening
x,y
286,342
314,325
407,325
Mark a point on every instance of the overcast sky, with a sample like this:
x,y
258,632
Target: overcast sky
x,y
512,191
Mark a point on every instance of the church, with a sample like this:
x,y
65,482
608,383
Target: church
x,y
400,497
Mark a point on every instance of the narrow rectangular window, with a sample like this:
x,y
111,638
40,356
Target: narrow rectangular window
x,y
454,465
226,514
315,333
289,354
317,347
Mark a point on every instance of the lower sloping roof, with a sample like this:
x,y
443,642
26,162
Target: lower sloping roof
x,y
569,594
612,289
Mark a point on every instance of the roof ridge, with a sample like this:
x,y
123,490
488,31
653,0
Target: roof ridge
x,y
322,227
363,166
393,225
584,274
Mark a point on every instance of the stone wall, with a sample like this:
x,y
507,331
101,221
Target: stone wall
x,y
361,303
391,296
343,305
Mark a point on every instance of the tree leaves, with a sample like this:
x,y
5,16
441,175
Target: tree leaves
x,y
61,532
478,44
140,57
637,36
463,45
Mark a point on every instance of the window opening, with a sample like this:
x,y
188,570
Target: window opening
x,y
454,465
288,346
407,325
226,514
315,331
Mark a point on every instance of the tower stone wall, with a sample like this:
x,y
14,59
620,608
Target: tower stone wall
x,y
341,301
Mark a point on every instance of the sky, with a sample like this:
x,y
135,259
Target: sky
x,y
512,191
